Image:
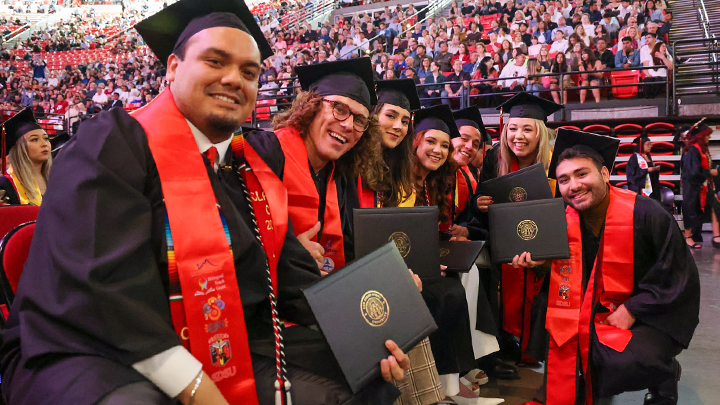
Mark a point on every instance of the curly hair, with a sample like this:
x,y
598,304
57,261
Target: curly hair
x,y
440,183
396,181
364,159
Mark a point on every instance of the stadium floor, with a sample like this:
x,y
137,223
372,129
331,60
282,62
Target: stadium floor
x,y
700,381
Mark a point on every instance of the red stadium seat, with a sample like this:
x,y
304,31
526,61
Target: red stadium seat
x,y
598,129
665,167
628,131
14,215
14,249
660,129
262,112
663,148
570,127
494,133
620,168
627,77
626,149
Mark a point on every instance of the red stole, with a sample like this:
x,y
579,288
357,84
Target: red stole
x,y
367,197
705,165
570,309
204,259
464,189
303,199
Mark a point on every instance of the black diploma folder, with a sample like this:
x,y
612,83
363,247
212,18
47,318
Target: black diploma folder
x,y
414,230
530,183
459,256
538,227
364,304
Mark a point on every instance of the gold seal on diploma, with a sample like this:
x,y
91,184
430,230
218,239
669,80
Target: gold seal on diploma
x,y
518,194
374,308
527,229
402,241
444,252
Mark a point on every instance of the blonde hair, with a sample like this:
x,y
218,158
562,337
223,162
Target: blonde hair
x,y
22,168
546,138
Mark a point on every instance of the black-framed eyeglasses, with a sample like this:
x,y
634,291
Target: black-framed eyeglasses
x,y
341,112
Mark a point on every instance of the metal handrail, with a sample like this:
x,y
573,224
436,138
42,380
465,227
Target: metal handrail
x,y
292,20
15,33
431,10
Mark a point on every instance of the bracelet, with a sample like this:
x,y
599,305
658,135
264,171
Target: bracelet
x,y
198,379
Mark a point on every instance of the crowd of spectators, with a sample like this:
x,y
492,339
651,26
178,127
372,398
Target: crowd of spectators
x,y
505,41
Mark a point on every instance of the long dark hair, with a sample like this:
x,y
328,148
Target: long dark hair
x,y
590,63
396,180
559,67
483,67
438,184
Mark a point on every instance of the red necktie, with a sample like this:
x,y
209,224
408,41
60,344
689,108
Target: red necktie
x,y
210,154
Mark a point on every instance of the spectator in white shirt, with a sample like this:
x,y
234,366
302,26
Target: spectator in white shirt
x,y
560,44
514,74
100,98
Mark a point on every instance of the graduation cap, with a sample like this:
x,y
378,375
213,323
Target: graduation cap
x,y
58,141
401,93
352,78
600,147
15,128
525,105
439,118
171,28
470,117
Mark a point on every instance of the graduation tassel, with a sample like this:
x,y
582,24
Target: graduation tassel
x,y
501,124
4,152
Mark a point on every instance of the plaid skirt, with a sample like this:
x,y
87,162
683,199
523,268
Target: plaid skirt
x,y
421,385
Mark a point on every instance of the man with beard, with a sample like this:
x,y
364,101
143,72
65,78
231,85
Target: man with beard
x,y
164,250
627,301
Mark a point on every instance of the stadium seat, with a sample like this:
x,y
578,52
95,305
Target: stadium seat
x,y
570,127
264,108
627,77
598,129
14,250
14,215
626,149
628,131
493,133
660,129
663,148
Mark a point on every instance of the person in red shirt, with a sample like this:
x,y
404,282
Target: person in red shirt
x,y
61,105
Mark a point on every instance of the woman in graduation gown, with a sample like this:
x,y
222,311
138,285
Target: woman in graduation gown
x,y
327,137
699,199
642,174
433,177
30,159
525,140
393,112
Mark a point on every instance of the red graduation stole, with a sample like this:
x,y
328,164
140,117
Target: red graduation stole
x,y
464,190
303,199
204,259
367,197
519,289
705,165
570,309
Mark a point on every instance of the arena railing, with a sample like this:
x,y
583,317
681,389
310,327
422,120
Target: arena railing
x,y
706,50
433,8
53,124
306,14
13,34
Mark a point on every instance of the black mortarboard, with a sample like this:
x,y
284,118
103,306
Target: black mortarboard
x,y
470,117
17,126
170,28
525,105
58,141
352,78
401,93
438,117
597,146
700,129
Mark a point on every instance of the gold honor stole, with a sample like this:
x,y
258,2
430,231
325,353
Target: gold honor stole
x,y
303,199
570,309
201,252
24,200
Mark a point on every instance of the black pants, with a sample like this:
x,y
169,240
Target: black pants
x,y
652,90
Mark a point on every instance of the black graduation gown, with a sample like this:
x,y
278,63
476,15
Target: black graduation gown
x,y
11,195
665,302
93,298
692,177
466,218
636,177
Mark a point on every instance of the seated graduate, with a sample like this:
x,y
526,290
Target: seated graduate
x,y
28,150
433,177
328,138
393,112
470,142
149,280
525,140
396,101
642,174
629,321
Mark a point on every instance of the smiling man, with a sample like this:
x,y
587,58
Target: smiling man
x,y
627,301
164,259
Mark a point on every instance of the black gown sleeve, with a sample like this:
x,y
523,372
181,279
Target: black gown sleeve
x,y
692,169
11,197
635,175
666,293
91,285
